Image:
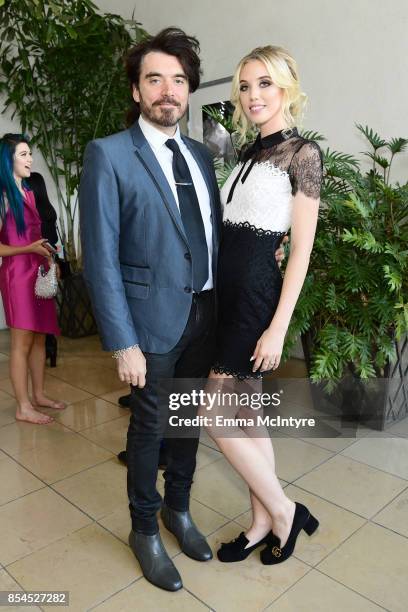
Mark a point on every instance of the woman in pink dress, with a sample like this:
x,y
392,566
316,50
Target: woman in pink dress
x,y
22,250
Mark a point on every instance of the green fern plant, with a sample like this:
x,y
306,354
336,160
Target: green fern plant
x,y
354,303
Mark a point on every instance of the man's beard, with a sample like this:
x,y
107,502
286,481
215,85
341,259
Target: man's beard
x,y
165,117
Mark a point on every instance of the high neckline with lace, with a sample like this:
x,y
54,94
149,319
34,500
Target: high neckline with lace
x,y
277,137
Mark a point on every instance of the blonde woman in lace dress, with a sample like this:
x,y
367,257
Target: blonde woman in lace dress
x,y
274,187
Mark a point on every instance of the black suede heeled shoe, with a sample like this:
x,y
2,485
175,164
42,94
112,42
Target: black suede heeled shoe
x,y
235,550
273,553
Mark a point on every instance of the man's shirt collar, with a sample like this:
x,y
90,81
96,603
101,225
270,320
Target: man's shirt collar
x,y
155,137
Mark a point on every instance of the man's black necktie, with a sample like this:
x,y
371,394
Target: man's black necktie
x,y
191,216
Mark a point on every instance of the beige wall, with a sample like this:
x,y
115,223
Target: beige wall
x,y
352,55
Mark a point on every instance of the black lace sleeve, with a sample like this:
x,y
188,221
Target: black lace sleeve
x,y
306,170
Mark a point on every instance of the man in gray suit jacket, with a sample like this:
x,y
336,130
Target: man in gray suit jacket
x,y
150,226
150,223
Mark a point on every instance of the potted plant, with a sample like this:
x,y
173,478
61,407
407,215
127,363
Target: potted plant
x,y
62,75
353,309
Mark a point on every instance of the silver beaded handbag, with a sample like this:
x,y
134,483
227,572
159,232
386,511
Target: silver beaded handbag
x,y
46,284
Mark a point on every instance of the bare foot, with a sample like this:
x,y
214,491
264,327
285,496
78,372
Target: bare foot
x,y
46,402
30,415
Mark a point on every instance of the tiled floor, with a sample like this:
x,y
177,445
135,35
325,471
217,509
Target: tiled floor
x,y
64,520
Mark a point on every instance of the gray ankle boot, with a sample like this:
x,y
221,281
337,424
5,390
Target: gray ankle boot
x,y
157,567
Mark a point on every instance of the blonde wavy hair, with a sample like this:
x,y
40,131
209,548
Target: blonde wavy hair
x,y
283,71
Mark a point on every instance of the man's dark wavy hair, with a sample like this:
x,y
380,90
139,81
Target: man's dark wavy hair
x,y
172,41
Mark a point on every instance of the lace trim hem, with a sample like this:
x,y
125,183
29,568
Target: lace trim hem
x,y
220,369
259,231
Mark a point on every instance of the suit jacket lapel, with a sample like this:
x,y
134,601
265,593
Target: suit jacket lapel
x,y
153,168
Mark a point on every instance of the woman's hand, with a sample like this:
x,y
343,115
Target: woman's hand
x,y
39,248
268,350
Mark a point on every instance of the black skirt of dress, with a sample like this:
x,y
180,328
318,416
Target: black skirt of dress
x,y
249,288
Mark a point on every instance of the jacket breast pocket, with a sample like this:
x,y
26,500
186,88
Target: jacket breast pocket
x,y
139,291
136,281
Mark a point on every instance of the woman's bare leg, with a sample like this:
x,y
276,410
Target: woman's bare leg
x,y
254,460
21,344
36,362
261,521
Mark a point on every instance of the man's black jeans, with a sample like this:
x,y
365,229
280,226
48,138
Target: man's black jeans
x,y
190,358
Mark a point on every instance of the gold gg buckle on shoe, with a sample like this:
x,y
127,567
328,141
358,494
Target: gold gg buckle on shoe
x,y
276,551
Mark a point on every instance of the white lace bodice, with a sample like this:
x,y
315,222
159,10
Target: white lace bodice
x,y
259,192
264,200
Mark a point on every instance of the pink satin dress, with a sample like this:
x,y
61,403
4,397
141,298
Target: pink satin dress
x,y
18,273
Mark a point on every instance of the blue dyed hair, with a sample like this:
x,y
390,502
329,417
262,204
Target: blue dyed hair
x,y
8,185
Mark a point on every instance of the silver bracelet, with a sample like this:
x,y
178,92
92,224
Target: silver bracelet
x,y
121,352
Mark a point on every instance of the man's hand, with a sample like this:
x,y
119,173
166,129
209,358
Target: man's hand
x,y
280,253
132,367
